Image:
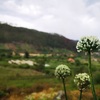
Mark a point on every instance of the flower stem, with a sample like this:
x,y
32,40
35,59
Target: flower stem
x,y
91,76
63,80
80,95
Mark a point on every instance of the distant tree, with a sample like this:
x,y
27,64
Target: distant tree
x,y
26,54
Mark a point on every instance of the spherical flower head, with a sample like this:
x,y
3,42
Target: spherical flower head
x,y
89,43
62,71
82,80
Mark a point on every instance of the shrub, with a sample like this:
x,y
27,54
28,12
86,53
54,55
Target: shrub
x,y
77,62
26,54
40,64
97,77
2,93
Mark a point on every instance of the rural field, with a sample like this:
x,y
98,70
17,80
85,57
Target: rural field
x,y
33,78
49,49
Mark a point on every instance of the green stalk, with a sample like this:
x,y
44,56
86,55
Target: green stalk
x,y
80,95
91,76
63,80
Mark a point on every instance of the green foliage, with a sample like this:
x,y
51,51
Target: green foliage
x,y
77,62
40,64
5,53
2,93
26,54
97,77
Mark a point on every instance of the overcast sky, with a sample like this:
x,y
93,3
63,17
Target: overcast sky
x,y
70,18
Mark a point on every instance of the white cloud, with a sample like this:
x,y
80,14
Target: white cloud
x,y
71,18
14,21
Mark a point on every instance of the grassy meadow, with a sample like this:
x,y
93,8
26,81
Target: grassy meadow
x,y
20,80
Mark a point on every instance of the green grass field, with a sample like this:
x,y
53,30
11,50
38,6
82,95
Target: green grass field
x,y
27,78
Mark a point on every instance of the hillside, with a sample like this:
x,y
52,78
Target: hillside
x,y
29,39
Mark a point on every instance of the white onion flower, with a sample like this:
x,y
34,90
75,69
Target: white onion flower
x,y
82,80
88,43
62,71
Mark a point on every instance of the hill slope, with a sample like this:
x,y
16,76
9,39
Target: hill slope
x,y
33,39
